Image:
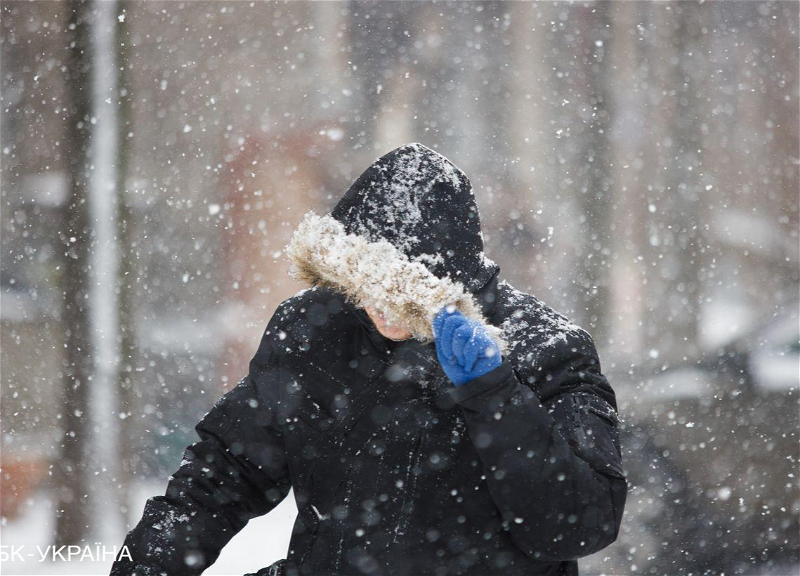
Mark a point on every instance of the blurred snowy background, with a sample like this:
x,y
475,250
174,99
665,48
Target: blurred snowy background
x,y
636,166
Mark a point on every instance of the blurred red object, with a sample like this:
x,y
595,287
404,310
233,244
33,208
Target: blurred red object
x,y
19,477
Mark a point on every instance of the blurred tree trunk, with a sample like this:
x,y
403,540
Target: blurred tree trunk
x,y
494,84
595,194
784,273
104,266
685,239
379,47
509,225
70,470
127,269
581,112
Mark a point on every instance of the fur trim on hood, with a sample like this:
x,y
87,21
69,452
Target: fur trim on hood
x,y
375,273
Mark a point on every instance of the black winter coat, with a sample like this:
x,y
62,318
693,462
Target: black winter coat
x,y
394,469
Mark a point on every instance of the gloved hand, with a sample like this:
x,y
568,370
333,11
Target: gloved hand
x,y
464,346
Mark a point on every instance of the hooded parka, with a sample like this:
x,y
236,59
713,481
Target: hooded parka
x,y
395,470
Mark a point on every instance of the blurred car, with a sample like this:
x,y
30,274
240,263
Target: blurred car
x,y
711,451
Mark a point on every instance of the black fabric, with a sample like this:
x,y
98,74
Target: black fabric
x,y
422,203
395,470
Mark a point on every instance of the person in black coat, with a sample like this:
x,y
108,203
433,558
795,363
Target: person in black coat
x,y
430,418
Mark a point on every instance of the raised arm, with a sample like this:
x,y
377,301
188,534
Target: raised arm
x,y
235,472
553,469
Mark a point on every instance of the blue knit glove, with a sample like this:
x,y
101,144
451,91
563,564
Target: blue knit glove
x,y
465,347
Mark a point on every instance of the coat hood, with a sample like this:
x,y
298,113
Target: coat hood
x,y
405,239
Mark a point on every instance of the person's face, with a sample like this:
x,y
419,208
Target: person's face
x,y
391,331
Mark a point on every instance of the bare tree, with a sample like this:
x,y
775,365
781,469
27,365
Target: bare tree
x,y
681,233
72,488
595,195
379,43
127,268
583,76
511,223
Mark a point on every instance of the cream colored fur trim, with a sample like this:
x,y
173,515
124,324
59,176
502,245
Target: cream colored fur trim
x,y
376,274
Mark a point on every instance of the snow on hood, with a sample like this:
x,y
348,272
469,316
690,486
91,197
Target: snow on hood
x,y
405,239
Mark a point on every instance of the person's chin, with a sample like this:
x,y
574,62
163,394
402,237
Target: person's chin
x,y
399,339
395,337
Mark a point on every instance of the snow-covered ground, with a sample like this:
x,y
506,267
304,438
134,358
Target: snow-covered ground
x,y
263,540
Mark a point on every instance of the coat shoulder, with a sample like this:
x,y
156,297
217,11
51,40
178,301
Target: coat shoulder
x,y
533,326
549,351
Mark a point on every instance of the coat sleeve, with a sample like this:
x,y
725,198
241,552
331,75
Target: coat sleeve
x,y
235,472
554,470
